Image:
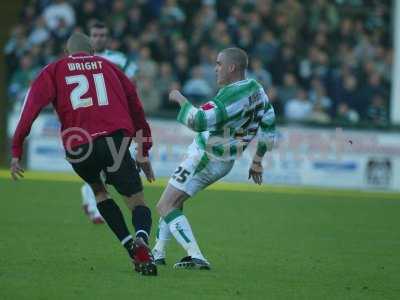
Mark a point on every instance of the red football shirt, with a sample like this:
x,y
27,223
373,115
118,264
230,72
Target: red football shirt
x,y
92,98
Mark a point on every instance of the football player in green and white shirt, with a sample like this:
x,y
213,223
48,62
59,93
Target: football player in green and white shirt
x,y
226,125
99,39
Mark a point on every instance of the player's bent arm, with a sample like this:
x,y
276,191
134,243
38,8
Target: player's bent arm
x,y
142,129
200,119
136,112
266,135
266,141
40,94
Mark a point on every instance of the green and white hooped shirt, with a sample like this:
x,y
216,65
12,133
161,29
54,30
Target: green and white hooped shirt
x,y
228,123
120,59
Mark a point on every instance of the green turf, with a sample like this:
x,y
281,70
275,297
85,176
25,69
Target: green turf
x,y
261,246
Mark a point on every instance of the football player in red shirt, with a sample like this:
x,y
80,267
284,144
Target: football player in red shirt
x,y
100,113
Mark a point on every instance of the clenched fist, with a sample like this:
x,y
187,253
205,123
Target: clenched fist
x,y
177,97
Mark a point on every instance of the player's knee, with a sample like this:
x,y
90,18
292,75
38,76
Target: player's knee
x,y
99,191
161,208
135,200
98,188
128,190
166,206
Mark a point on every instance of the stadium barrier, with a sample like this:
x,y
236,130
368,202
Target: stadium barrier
x,y
328,157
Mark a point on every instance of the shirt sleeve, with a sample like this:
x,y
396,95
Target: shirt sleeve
x,y
266,133
139,121
130,69
207,117
40,94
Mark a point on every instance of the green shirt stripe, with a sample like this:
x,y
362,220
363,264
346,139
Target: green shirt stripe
x,y
200,122
183,113
234,92
221,114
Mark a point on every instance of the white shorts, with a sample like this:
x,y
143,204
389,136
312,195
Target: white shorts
x,y
198,171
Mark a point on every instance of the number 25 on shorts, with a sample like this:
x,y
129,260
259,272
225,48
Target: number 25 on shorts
x,y
180,175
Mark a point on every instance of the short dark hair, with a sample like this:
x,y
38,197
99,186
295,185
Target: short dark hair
x,y
238,57
98,25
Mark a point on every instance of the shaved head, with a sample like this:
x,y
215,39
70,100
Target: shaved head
x,y
237,57
231,65
79,42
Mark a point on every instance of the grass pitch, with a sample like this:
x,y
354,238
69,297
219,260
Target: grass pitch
x,y
263,243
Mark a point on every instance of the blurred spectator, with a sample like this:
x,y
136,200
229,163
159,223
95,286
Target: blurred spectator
x,y
132,48
323,11
267,48
118,11
146,65
181,65
272,93
346,32
314,65
21,79
207,64
49,53
319,114
373,86
298,108
289,88
293,11
29,14
322,104
196,88
377,112
171,14
319,97
345,45
349,94
385,66
257,72
134,21
15,47
151,98
39,33
119,29
345,115
207,15
165,80
245,38
87,12
57,12
62,31
286,62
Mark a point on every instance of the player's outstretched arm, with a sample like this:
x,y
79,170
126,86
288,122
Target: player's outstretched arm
x,y
197,119
40,94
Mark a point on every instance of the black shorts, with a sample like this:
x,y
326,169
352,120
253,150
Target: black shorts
x,y
88,161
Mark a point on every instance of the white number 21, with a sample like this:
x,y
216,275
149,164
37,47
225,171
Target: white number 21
x,y
83,86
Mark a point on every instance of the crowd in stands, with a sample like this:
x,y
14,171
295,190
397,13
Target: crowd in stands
x,y
321,61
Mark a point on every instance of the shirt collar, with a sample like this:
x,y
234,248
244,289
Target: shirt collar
x,y
77,54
